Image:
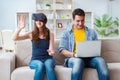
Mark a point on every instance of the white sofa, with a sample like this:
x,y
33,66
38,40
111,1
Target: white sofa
x,y
14,66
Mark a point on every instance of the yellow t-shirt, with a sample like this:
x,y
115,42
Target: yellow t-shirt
x,y
79,35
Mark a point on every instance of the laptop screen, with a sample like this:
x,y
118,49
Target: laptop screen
x,y
88,48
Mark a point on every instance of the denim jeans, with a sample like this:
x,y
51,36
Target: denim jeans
x,y
78,64
43,66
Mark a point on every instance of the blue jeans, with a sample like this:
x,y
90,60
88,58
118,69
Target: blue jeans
x,y
78,64
41,67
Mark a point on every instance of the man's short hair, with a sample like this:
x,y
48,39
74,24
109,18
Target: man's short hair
x,y
79,12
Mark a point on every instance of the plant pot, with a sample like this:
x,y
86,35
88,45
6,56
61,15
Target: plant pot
x,y
48,7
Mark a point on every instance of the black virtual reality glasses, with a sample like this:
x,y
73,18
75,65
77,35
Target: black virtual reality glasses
x,y
39,16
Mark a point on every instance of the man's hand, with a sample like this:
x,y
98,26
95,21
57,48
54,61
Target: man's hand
x,y
74,55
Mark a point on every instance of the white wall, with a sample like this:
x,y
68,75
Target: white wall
x,y
98,7
9,8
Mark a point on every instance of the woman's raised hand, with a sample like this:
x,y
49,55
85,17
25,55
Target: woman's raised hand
x,y
21,22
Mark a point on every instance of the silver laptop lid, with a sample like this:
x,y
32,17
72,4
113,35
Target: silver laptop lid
x,y
88,48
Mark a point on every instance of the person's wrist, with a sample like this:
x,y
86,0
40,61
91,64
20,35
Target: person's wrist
x,y
73,55
19,29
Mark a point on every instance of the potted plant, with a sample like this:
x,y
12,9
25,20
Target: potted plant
x,y
105,26
116,24
48,6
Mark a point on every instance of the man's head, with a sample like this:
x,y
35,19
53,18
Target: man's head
x,y
78,16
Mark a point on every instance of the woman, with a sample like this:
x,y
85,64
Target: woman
x,y
42,46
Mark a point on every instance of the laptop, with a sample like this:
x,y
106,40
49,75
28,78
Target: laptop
x,y
88,49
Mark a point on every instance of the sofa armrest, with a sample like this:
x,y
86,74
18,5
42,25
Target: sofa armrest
x,y
7,65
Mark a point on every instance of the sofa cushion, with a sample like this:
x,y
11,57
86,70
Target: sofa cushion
x,y
63,73
59,59
25,73
22,73
114,70
110,50
24,52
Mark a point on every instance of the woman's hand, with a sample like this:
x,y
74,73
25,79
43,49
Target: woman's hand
x,y
21,22
51,52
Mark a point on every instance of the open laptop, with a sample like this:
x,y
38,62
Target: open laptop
x,y
88,49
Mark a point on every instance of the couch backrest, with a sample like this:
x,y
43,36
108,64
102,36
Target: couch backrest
x,y
24,52
110,51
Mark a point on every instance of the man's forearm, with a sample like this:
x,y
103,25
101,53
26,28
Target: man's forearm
x,y
67,53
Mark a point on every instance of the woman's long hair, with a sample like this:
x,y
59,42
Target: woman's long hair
x,y
35,33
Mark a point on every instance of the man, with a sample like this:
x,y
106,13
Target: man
x,y
67,47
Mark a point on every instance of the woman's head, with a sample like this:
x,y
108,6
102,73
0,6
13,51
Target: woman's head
x,y
40,21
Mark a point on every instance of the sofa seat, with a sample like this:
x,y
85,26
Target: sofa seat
x,y
22,73
15,66
25,73
114,70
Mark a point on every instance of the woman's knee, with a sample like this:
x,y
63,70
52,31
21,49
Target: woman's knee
x,y
50,63
36,64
